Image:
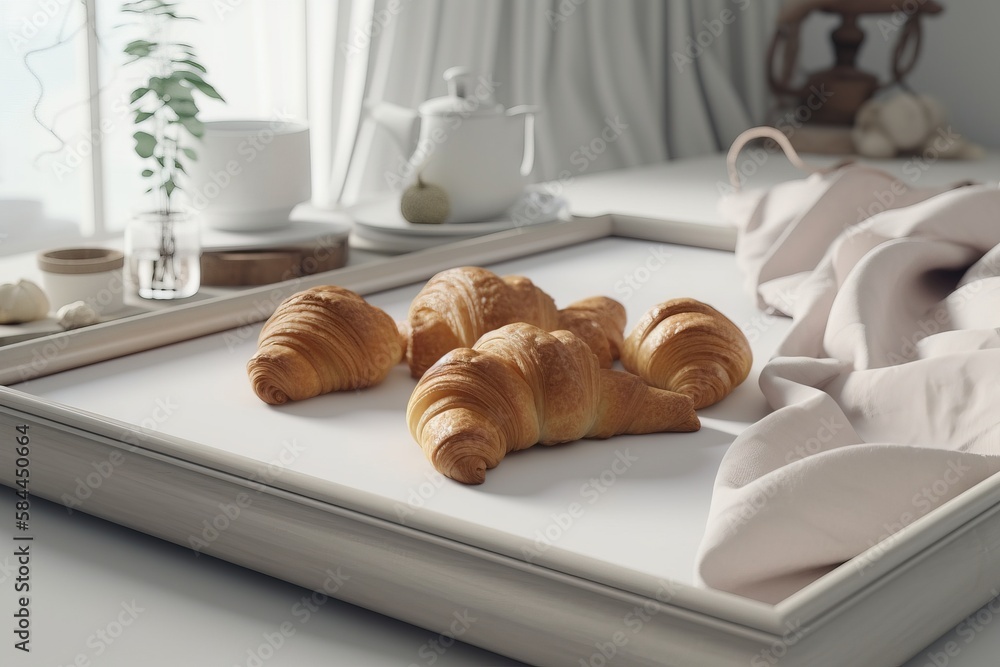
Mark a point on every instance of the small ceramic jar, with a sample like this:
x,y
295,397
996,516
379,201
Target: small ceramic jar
x,y
91,275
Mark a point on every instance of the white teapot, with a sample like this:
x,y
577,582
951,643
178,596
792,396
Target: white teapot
x,y
479,153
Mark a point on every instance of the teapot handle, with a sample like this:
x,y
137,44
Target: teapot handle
x,y
529,111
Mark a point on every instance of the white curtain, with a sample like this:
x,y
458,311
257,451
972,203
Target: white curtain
x,y
587,64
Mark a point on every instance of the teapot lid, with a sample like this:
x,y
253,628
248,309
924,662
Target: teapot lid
x,y
464,97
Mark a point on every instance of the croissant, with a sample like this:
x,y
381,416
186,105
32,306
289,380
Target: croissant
x,y
320,340
687,346
520,386
600,322
459,305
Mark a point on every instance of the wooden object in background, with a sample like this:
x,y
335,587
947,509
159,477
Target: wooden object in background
x,y
834,95
305,247
232,268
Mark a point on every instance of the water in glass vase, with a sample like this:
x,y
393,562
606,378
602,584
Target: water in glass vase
x,y
164,256
158,277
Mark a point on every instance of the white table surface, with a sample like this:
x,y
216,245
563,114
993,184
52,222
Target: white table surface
x,y
688,190
109,596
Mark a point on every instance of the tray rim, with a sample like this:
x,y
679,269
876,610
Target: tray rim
x,y
816,604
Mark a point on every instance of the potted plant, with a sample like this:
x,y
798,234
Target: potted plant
x,y
163,245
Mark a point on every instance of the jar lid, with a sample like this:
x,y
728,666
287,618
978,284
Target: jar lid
x,y
461,99
81,260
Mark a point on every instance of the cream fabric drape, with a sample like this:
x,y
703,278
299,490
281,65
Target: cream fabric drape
x,y
671,79
884,395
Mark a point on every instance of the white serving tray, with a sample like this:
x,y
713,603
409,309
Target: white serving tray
x,y
562,555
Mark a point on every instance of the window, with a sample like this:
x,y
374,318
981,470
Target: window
x,y
67,166
45,180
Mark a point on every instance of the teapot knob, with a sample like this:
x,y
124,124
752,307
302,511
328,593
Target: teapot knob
x,y
457,77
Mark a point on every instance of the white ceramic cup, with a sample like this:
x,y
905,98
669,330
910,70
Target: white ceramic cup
x,y
91,275
249,174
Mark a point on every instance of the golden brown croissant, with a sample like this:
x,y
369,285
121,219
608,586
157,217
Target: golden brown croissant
x,y
520,386
687,346
600,322
459,305
320,340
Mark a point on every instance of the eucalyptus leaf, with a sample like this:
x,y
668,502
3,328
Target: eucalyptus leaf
x,y
191,63
184,109
194,126
178,87
201,85
140,47
172,109
142,3
145,144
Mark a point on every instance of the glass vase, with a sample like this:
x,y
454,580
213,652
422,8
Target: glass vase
x,y
163,253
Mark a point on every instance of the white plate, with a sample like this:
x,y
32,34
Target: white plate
x,y
295,234
384,215
375,240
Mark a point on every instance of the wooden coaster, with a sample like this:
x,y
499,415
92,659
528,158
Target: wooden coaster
x,y
262,267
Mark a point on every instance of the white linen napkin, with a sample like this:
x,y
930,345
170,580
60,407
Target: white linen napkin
x,y
886,390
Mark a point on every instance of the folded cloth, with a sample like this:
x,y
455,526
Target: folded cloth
x,y
884,390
